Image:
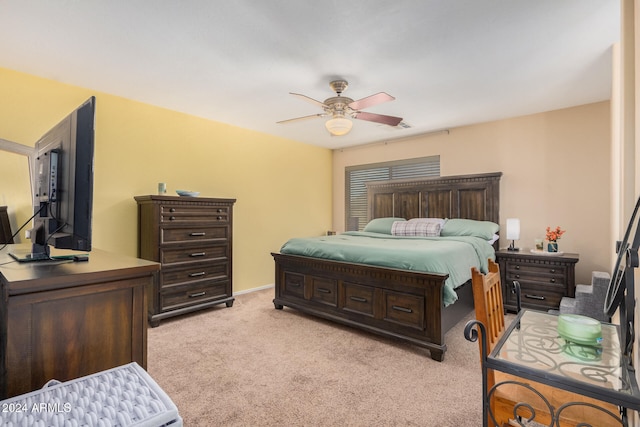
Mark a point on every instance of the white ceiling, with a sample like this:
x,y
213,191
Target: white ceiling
x,y
448,63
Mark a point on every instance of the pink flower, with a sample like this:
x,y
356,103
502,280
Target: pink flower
x,y
553,235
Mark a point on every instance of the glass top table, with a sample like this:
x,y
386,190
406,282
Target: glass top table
x,y
532,348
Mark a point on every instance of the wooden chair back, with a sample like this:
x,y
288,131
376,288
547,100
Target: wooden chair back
x,y
487,297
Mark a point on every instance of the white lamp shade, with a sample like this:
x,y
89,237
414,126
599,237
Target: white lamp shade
x,y
338,126
513,229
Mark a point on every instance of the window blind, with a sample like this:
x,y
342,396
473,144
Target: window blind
x,y
356,178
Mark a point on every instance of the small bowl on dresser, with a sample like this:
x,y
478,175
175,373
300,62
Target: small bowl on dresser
x,y
187,193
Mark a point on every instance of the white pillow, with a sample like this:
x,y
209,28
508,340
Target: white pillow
x,y
492,240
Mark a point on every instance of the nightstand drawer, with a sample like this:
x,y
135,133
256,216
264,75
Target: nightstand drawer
x,y
539,277
534,295
534,272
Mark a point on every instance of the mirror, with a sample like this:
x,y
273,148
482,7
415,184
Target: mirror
x,y
15,185
621,292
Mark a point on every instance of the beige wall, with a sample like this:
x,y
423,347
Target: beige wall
x,y
556,171
282,187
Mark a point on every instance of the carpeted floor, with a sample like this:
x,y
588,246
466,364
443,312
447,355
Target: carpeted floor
x,y
253,365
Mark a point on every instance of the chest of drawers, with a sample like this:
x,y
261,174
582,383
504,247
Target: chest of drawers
x,y
191,237
544,279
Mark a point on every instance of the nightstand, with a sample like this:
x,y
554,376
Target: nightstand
x,y
544,278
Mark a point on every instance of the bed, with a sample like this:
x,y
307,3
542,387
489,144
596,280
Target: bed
x,y
374,292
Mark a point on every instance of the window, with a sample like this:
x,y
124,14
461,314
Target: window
x,y
357,176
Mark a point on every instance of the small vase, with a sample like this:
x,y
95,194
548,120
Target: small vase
x,y
552,247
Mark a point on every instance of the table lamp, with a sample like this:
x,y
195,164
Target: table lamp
x,y
513,232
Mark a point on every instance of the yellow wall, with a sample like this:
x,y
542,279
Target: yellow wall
x,y
283,188
556,171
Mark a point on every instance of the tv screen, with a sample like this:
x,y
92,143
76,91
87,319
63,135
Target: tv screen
x,y
63,186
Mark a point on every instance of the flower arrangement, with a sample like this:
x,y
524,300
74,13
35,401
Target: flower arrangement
x,y
554,235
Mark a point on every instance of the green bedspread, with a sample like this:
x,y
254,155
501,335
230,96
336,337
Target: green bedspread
x,y
454,255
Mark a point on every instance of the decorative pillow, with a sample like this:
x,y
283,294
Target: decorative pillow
x,y
381,225
440,221
415,228
494,239
469,227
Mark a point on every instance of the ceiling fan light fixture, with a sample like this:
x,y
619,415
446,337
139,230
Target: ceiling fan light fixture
x,y
339,125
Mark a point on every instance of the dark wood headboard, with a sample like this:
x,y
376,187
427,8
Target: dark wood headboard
x,y
463,196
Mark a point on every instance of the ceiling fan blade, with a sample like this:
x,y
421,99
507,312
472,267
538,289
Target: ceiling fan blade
x,y
370,101
306,98
313,116
378,118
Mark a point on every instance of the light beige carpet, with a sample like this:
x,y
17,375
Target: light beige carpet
x,y
253,365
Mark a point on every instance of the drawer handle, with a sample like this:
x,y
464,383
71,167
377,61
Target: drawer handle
x,y
219,218
359,299
402,309
172,218
201,273
172,210
517,267
552,280
517,276
324,290
198,294
197,254
553,270
198,234
294,284
219,210
538,297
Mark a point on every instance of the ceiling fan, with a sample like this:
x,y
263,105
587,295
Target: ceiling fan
x,y
341,108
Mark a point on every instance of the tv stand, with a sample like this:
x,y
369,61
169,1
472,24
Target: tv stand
x,y
63,320
29,256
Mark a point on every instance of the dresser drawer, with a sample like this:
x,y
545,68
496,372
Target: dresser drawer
x,y
202,271
404,309
198,254
175,214
204,234
359,299
182,296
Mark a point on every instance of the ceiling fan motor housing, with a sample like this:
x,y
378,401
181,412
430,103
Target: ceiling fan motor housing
x,y
339,86
338,105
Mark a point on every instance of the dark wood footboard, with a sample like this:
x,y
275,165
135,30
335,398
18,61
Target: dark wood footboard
x,y
395,303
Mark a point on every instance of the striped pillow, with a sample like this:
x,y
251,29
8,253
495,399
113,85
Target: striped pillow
x,y
415,228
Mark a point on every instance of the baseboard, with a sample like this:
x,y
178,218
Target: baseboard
x,y
259,288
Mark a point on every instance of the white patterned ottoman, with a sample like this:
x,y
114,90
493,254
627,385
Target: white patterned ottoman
x,y
118,397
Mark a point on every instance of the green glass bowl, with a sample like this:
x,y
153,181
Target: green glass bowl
x,y
579,329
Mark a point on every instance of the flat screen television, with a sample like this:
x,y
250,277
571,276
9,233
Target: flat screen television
x,y
62,178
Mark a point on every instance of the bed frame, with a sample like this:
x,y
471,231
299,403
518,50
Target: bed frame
x,y
391,302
